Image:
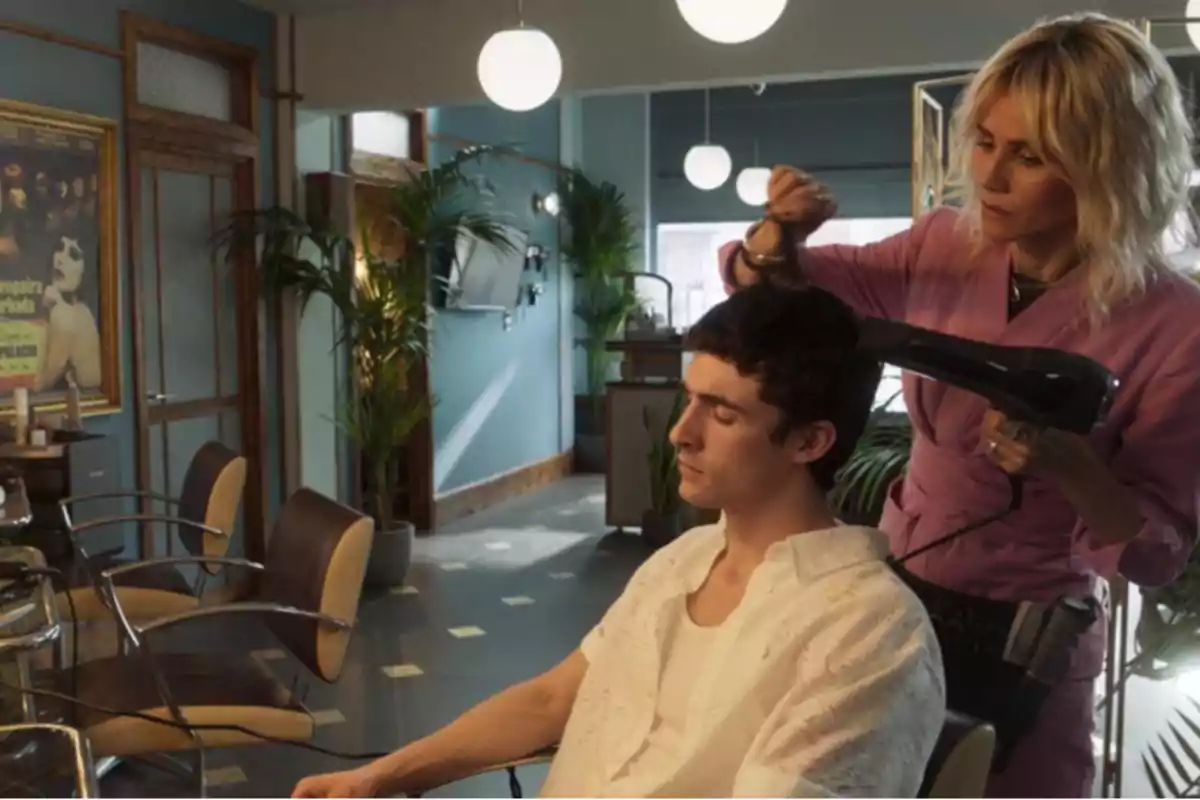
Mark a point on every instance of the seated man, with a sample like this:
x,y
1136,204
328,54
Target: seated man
x,y
774,654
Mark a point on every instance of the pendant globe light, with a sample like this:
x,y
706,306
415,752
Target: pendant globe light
x,y
752,182
519,68
1193,28
707,165
731,21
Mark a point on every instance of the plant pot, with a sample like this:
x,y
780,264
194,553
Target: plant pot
x,y
391,555
660,529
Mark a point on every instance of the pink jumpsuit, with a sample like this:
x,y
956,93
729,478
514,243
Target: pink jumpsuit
x,y
931,276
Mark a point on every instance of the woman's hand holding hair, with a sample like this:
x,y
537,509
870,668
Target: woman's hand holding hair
x,y
795,200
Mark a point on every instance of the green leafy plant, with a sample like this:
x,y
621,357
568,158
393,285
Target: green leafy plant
x,y
861,485
662,461
1172,765
599,242
384,313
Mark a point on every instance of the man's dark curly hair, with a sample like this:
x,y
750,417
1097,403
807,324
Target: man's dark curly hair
x,y
800,344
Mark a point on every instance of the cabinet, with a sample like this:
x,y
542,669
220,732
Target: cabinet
x,y
74,464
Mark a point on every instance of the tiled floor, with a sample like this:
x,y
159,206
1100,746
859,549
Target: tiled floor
x,y
490,600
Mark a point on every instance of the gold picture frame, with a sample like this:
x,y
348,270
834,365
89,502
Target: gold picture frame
x,y
932,184
59,288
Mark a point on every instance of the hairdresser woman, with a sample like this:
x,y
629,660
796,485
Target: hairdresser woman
x,y
1075,150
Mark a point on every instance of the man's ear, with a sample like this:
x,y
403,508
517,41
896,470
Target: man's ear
x,y
810,442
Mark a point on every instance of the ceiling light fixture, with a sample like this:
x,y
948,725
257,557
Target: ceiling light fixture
x,y
707,165
752,182
1192,12
731,21
519,68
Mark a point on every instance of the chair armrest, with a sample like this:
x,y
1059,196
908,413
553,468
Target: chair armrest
x,y
539,757
49,631
79,498
248,607
85,765
65,503
105,521
133,566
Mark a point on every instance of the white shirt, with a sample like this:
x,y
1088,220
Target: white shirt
x,y
826,680
686,654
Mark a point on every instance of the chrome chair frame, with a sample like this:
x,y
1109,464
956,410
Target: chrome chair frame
x,y
86,780
138,635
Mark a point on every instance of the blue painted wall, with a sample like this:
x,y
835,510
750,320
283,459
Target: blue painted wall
x,y
498,392
62,77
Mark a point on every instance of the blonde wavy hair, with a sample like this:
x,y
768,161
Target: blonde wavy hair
x,y
1104,107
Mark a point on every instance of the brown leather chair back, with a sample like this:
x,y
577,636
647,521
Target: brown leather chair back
x,y
961,760
316,560
212,494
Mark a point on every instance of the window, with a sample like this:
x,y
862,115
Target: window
x,y
381,133
179,81
687,257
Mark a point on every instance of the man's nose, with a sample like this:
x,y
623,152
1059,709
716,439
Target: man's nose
x,y
683,433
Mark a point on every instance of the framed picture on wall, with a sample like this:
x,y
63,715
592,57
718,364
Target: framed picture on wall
x,y
58,257
927,168
934,183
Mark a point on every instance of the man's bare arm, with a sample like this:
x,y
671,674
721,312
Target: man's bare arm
x,y
518,721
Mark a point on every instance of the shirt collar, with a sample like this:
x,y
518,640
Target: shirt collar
x,y
809,555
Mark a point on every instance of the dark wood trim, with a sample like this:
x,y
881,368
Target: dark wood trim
x,y
169,120
418,136
478,496
287,303
221,51
241,62
133,225
54,37
252,359
164,443
174,162
186,142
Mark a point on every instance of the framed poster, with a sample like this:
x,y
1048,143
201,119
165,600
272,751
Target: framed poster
x,y
58,257
928,166
933,181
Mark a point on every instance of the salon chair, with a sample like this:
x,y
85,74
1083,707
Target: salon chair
x,y
958,767
311,583
961,760
203,516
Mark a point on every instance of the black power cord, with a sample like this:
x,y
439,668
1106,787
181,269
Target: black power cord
x,y
1016,486
75,701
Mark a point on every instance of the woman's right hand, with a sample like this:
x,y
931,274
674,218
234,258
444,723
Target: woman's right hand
x,y
799,200
794,198
361,782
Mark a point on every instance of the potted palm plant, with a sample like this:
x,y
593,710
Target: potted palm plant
x,y
384,314
664,520
881,456
599,243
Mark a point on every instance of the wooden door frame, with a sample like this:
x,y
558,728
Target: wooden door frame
x,y
169,137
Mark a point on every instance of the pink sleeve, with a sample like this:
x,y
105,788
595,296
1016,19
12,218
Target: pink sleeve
x,y
1159,458
874,278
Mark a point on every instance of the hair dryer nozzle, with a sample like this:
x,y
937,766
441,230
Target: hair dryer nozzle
x,y
1039,385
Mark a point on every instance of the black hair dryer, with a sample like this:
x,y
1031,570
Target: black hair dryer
x,y
1037,385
